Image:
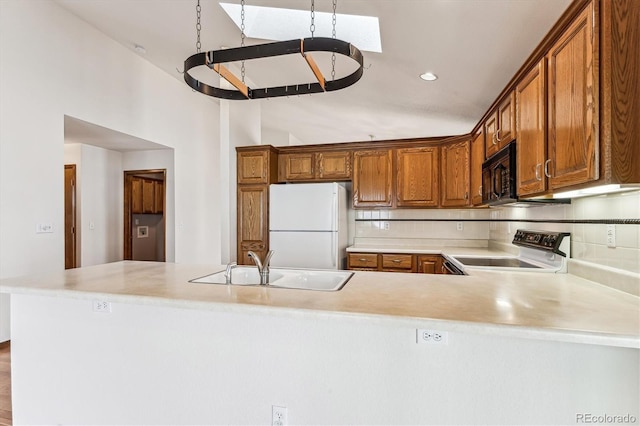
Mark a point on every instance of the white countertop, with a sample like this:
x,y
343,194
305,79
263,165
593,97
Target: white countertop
x,y
557,307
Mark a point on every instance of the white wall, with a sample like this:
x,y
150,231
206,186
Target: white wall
x,y
81,367
56,65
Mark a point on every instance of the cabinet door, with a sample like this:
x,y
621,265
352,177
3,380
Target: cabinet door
x,y
477,158
417,178
531,127
292,167
372,179
148,194
490,128
573,109
506,121
333,165
253,232
429,264
136,195
455,167
253,167
158,199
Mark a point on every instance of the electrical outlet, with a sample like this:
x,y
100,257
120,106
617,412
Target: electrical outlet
x,y
385,225
611,235
460,226
432,337
278,415
102,306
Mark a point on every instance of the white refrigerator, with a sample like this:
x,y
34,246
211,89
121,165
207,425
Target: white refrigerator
x,y
308,225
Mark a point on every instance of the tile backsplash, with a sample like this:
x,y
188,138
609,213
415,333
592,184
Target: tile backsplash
x,y
589,242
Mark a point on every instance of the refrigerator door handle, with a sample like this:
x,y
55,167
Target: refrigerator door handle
x,y
334,243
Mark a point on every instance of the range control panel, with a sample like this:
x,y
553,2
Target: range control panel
x,y
542,240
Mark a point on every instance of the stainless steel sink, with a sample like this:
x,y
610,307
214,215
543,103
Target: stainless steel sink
x,y
303,279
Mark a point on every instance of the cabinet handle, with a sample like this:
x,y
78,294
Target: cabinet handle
x,y
466,195
498,135
480,190
546,168
362,259
538,177
396,261
493,139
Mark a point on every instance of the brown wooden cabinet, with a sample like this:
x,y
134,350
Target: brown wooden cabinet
x,y
477,158
362,261
333,165
292,167
454,187
147,195
417,183
372,178
253,227
500,126
257,168
314,166
573,105
531,126
430,263
158,198
395,262
257,165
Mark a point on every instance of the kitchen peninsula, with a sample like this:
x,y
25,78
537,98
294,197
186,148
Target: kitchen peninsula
x,y
164,350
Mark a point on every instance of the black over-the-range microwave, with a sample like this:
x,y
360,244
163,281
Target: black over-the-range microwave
x,y
499,177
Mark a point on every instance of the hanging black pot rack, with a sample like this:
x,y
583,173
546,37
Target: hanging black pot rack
x,y
215,58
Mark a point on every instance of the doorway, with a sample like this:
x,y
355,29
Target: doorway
x,y
144,215
70,251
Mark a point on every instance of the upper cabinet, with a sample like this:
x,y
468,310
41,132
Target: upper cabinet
x,y
417,177
372,178
333,165
531,126
573,105
296,167
500,127
455,166
314,166
257,164
147,195
477,158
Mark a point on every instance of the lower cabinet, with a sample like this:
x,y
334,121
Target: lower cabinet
x,y
253,229
395,262
430,264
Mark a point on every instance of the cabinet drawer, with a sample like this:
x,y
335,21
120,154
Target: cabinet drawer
x,y
397,261
363,260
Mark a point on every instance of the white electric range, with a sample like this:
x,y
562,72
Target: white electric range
x,y
540,251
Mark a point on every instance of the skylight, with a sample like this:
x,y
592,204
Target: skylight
x,y
270,23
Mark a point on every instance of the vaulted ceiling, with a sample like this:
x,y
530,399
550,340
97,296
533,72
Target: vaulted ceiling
x,y
474,46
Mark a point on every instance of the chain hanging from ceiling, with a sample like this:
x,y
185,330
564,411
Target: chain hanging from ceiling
x,y
214,59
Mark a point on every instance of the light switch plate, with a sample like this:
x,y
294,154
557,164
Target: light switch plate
x,y
611,235
44,228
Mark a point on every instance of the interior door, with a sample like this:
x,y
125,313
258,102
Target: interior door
x,y
70,216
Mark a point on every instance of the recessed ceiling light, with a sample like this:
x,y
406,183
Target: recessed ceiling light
x,y
428,76
140,49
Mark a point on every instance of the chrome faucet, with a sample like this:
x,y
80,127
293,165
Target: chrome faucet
x,y
263,266
227,274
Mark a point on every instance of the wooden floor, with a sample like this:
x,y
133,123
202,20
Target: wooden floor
x,y
5,384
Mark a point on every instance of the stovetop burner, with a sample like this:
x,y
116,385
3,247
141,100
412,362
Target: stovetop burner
x,y
540,251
